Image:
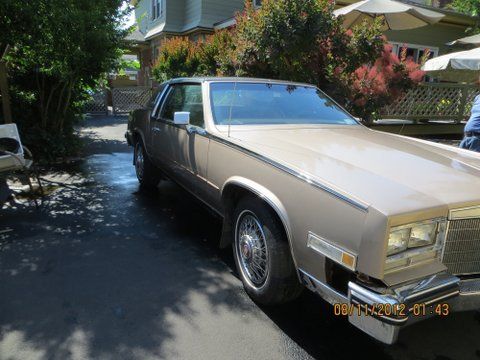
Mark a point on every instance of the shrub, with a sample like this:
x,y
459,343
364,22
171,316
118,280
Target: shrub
x,y
178,58
371,87
215,55
181,57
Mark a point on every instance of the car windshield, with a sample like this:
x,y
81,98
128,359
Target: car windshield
x,y
265,104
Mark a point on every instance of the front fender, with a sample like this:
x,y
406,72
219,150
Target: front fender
x,y
266,195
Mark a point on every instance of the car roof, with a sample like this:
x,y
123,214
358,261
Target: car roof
x,y
236,79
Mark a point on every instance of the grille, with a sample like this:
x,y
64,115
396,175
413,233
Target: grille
x,y
462,247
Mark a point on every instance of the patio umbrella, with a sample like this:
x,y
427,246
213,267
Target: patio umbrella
x,y
397,15
469,40
461,66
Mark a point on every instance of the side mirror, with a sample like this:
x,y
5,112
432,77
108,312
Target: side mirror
x,y
181,118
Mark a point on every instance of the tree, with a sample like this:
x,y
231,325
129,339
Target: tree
x,y
469,7
59,49
4,89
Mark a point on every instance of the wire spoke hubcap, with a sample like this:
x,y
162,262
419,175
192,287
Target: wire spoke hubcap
x,y
139,161
251,248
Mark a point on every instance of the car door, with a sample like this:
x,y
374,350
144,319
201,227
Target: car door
x,y
183,148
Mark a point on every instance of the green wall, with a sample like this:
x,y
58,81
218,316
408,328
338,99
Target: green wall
x,y
432,35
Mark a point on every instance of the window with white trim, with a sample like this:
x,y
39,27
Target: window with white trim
x,y
157,9
414,51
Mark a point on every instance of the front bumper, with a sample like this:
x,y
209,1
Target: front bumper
x,y
381,313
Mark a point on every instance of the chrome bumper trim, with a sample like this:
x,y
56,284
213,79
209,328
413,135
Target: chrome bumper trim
x,y
326,292
469,297
460,294
430,291
465,213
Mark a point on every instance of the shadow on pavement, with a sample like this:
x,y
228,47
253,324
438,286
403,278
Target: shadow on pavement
x,y
105,271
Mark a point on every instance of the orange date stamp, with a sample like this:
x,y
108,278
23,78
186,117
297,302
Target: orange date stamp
x,y
386,309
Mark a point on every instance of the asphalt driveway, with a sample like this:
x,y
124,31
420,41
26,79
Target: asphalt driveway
x,y
103,271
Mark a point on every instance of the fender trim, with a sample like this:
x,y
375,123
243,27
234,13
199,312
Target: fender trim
x,y
270,198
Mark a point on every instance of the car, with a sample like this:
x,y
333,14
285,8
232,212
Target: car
x,y
384,227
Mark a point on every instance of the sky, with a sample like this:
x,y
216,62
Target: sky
x,y
131,18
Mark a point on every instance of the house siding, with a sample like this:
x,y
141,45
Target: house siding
x,y
143,15
175,12
193,14
214,11
181,16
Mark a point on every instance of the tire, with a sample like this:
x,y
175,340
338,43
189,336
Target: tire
x,y
147,174
260,243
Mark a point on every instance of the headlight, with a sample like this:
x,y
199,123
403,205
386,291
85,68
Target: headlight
x,y
398,240
414,243
411,236
423,235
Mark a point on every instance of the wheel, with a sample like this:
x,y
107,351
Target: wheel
x,y
262,254
147,175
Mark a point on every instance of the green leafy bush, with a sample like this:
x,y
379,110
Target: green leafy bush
x,y
181,57
178,58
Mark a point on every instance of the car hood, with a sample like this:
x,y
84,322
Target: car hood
x,y
395,174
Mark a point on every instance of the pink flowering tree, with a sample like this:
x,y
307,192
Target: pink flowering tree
x,y
371,87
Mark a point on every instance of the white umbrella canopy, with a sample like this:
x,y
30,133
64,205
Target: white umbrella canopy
x,y
461,66
469,40
397,15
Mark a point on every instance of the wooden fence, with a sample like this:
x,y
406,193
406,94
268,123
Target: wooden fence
x,y
122,100
433,101
127,99
98,104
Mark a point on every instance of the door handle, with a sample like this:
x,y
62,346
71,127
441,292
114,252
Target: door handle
x,y
196,130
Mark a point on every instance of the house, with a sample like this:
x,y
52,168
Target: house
x,y
159,19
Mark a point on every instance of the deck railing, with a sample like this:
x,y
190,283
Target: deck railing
x,y
432,101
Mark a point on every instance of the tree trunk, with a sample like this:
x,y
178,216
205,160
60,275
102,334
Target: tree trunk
x,y
7,111
66,105
41,96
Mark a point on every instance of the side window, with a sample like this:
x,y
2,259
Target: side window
x,y
153,103
185,98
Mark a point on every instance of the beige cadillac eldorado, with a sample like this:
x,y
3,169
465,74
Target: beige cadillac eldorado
x,y
384,227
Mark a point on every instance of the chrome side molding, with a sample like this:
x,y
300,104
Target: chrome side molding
x,y
301,176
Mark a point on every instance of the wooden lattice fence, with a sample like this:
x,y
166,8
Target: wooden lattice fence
x,y
97,104
128,99
434,102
